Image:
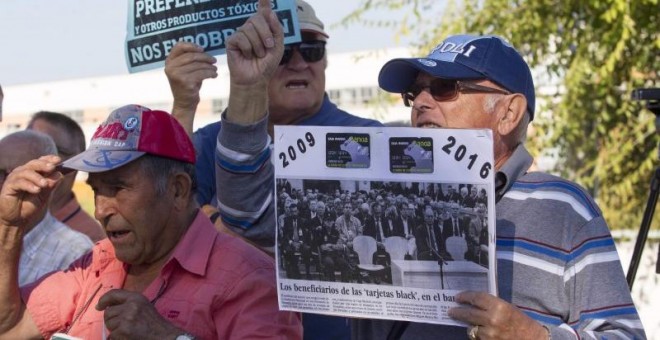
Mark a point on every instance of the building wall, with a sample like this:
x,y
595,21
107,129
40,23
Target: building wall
x,y
351,82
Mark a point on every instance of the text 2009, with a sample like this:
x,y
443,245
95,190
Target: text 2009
x,y
301,146
460,152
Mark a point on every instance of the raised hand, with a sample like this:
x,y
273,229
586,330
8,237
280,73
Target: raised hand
x,y
27,189
253,54
256,48
186,67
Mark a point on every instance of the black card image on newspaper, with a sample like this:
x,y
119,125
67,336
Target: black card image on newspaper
x,y
411,155
348,150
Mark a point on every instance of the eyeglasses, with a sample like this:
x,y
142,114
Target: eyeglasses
x,y
445,89
311,51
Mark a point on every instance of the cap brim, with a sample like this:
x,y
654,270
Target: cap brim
x,y
398,74
313,29
99,160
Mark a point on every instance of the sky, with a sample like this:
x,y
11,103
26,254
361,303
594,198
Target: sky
x,y
46,40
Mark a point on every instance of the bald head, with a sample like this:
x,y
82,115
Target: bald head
x,y
21,147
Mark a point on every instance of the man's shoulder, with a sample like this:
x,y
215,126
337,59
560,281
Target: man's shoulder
x,y
331,115
542,181
208,132
235,257
549,188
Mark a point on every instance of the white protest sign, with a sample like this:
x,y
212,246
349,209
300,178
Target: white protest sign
x,y
399,237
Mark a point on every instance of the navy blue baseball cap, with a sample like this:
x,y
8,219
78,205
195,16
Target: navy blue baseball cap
x,y
465,57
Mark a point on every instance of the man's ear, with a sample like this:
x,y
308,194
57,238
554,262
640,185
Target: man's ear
x,y
182,186
515,108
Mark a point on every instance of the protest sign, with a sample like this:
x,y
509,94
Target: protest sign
x,y
406,220
155,26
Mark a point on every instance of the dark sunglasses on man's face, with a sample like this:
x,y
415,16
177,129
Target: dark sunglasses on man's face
x,y
311,51
445,89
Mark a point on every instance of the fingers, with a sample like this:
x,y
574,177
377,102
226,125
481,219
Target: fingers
x,y
112,298
259,33
34,176
188,62
474,308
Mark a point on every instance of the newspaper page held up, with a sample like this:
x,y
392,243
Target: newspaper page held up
x,y
155,26
383,222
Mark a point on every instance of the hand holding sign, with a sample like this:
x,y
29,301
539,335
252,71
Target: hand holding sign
x,y
253,54
186,68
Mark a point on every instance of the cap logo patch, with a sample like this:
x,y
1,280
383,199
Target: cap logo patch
x,y
451,47
111,131
427,62
131,123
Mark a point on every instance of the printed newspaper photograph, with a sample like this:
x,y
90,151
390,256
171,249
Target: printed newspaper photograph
x,y
386,223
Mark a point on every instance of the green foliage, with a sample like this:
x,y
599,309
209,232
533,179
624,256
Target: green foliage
x,y
587,57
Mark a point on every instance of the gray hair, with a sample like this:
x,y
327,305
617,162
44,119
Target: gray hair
x,y
160,169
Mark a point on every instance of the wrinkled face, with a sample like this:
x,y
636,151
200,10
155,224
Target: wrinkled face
x,y
467,110
297,88
133,214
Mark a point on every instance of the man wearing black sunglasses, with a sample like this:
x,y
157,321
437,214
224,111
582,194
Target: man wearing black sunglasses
x,y
558,273
297,96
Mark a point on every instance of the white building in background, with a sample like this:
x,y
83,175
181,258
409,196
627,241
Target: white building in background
x,y
351,83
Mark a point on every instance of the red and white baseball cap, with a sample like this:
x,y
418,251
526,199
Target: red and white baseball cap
x,y
130,132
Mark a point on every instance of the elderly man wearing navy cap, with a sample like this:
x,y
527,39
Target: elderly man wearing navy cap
x,y
558,272
163,272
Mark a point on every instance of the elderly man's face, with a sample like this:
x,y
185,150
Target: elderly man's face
x,y
468,110
296,90
135,217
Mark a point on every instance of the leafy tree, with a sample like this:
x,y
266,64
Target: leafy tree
x,y
587,57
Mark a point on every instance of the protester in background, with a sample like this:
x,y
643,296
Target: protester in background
x,y
297,96
164,272
69,140
48,244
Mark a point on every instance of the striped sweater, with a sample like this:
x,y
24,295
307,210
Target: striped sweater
x,y
556,261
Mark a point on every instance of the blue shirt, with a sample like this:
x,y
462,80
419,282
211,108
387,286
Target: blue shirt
x,y
205,139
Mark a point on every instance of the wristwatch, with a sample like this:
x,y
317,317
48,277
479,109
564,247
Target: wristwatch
x,y
185,336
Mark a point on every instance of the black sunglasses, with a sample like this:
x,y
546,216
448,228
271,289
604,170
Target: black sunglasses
x,y
445,89
311,51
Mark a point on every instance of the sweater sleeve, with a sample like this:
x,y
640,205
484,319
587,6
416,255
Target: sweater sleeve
x,y
245,181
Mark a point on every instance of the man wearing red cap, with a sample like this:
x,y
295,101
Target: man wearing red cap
x,y
164,272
